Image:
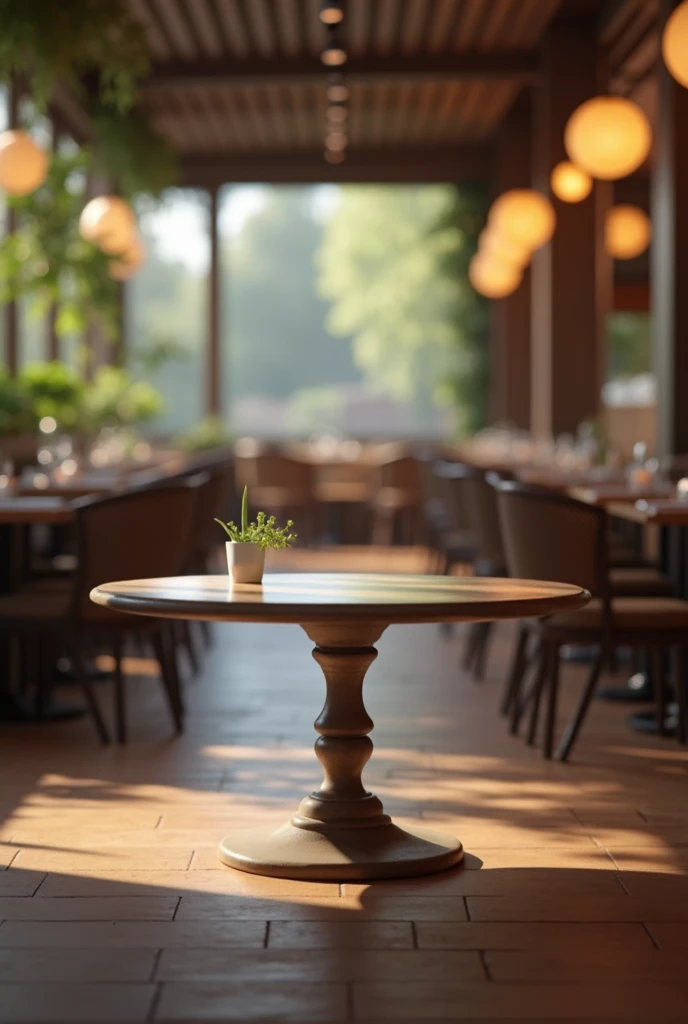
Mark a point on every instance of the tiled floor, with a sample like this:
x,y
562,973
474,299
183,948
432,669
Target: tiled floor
x,y
572,903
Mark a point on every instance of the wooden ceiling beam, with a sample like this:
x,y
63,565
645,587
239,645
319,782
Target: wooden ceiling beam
x,y
514,65
388,164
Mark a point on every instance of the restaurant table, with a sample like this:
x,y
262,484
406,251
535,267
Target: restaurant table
x,y
652,512
610,493
341,832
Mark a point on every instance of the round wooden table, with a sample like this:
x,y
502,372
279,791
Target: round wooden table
x,y
341,832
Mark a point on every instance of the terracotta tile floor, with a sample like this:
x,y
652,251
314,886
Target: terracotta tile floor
x,y
572,903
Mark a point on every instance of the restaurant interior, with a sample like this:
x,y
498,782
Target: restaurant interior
x,y
352,329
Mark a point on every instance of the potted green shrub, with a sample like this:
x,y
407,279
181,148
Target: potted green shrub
x,y
248,543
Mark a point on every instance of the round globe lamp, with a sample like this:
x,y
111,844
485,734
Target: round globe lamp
x,y
108,222
608,136
494,246
23,164
524,217
675,44
569,183
492,279
129,262
627,232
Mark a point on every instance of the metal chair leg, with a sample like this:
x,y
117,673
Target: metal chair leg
x,y
552,695
165,652
481,653
119,689
89,695
518,669
538,687
470,650
578,717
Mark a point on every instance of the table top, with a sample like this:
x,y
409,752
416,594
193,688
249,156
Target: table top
x,y
313,598
659,512
41,509
606,494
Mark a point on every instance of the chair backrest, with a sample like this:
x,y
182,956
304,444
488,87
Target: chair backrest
x,y
479,503
138,535
269,469
549,536
403,474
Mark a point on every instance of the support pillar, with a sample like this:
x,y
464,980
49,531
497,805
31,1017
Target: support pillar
x,y
572,276
510,326
669,258
213,364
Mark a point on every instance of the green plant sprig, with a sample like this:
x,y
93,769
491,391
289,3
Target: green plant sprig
x,y
264,531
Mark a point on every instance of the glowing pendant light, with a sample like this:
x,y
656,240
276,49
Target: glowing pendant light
x,y
608,136
503,250
675,44
23,164
569,183
525,217
492,279
129,262
108,222
627,232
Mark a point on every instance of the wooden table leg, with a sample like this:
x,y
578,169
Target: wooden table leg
x,y
341,832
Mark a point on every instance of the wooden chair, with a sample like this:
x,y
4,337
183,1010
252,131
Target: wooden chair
x,y
397,500
552,537
138,535
280,486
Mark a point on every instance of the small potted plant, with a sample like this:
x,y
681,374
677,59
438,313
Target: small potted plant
x,y
247,544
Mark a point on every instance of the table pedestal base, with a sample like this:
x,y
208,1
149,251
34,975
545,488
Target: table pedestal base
x,y
341,832
348,855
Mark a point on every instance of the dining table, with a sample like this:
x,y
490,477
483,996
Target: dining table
x,y
341,832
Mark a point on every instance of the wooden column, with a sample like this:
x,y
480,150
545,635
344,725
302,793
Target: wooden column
x,y
571,277
669,259
509,399
11,309
213,400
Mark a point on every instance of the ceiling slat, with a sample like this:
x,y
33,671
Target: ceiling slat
x,y
386,24
472,12
535,16
177,28
414,18
159,46
206,28
288,27
278,116
445,13
357,25
224,102
501,17
232,23
315,29
298,100
261,27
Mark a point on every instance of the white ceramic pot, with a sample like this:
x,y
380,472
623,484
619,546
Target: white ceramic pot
x,y
245,562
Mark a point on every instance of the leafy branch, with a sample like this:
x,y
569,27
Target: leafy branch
x,y
264,531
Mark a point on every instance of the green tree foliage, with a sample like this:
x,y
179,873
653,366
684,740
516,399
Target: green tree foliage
x,y
392,265
466,386
46,43
273,318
